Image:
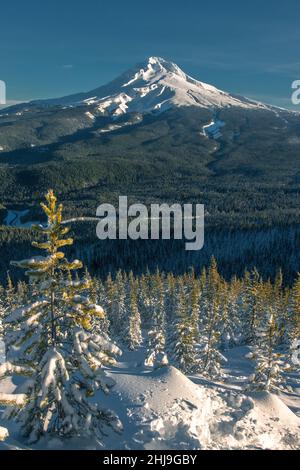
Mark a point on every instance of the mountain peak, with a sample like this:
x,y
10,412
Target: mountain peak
x,y
159,63
153,85
153,68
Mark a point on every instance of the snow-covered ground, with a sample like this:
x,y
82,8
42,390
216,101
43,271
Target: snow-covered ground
x,y
164,409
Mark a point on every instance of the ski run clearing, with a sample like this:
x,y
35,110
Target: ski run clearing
x,y
164,409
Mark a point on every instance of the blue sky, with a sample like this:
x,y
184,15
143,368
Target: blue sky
x,y
55,48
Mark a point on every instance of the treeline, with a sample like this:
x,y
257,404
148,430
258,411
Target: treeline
x,y
63,327
266,249
190,318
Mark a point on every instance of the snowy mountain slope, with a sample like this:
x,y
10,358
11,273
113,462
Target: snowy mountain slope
x,y
164,409
152,86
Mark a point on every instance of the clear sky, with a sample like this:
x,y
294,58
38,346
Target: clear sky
x,y
52,48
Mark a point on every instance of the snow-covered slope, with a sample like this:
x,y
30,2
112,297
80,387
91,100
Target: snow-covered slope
x,y
164,409
154,86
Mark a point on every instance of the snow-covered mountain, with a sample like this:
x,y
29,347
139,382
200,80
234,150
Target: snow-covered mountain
x,y
153,86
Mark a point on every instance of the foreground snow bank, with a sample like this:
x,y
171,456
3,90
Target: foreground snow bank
x,y
277,427
164,410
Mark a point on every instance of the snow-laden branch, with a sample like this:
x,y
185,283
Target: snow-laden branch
x,y
8,369
17,399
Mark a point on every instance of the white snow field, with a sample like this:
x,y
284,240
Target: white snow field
x,y
164,409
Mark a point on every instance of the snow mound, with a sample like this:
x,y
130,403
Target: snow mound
x,y
270,406
259,421
163,409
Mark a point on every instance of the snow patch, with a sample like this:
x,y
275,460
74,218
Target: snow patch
x,y
90,115
213,129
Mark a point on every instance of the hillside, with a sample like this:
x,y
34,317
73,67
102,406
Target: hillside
x,y
238,157
164,409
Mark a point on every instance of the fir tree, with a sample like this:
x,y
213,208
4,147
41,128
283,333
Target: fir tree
x,y
210,325
134,338
269,363
185,333
52,340
292,330
116,304
232,314
9,303
156,355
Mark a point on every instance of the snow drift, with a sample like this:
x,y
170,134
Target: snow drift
x,y
164,409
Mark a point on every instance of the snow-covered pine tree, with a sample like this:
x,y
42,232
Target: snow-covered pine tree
x,y
253,305
10,297
170,297
279,300
269,363
292,330
209,354
156,355
210,324
231,322
194,308
145,303
116,304
52,340
101,299
10,301
134,336
182,341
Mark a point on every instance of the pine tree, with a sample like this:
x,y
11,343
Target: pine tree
x,y
156,355
210,325
232,314
134,338
10,298
145,303
253,305
9,303
183,347
292,330
269,363
101,299
52,340
170,297
116,304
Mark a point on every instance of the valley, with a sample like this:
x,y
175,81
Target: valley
x,y
247,178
